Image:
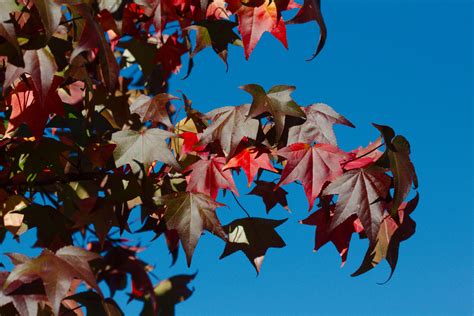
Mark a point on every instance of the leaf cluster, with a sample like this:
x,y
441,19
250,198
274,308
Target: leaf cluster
x,y
90,135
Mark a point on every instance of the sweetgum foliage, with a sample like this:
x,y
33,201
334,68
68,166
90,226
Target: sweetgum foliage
x,y
80,149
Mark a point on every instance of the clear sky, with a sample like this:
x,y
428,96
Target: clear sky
x,y
407,64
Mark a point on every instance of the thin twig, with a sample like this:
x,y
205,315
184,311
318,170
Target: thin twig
x,y
71,20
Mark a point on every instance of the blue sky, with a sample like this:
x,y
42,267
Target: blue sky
x,y
407,64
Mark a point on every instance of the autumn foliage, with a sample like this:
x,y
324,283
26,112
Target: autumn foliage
x,y
82,148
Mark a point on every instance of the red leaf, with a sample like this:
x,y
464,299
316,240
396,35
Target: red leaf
x,y
361,192
339,236
362,157
312,165
190,143
153,109
251,160
169,55
256,20
208,176
27,109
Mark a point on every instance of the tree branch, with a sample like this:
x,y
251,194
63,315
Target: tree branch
x,y
67,178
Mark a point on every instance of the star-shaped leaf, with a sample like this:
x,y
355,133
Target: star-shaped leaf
x,y
277,101
361,192
251,160
270,194
339,236
145,147
189,214
312,165
98,212
208,176
253,236
153,109
254,20
318,125
57,271
229,126
215,33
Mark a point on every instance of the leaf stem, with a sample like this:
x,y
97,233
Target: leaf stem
x,y
238,203
366,154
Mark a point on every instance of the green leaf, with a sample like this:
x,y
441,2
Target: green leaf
x,y
403,171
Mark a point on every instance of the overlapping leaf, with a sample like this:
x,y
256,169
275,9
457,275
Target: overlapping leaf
x,y
312,165
145,147
229,126
361,192
189,214
277,101
339,236
390,235
318,126
153,109
57,271
208,176
251,160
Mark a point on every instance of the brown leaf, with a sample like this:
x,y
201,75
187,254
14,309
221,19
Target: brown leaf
x,y
189,214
